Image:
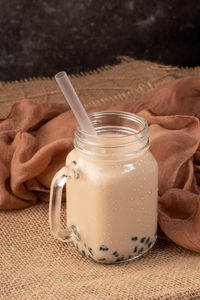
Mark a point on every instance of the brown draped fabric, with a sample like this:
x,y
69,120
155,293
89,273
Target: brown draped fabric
x,y
35,139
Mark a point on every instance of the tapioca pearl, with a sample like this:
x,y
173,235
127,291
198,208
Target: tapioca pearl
x,y
135,249
149,244
142,240
147,240
91,251
83,252
102,259
115,253
134,238
141,250
103,248
120,258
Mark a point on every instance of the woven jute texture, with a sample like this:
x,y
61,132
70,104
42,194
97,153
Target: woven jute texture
x,y
35,266
130,78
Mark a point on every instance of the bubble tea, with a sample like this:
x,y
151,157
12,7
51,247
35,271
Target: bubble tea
x,y
112,183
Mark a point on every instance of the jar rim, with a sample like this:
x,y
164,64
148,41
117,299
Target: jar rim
x,y
119,114
120,134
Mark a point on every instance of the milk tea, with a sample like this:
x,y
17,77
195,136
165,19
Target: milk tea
x,y
111,184
114,205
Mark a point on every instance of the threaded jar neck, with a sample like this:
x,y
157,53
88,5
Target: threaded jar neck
x,y
120,135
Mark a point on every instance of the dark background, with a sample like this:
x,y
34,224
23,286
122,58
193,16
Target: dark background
x,y
40,38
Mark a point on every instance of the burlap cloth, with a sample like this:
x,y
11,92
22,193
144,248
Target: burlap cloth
x,y
35,266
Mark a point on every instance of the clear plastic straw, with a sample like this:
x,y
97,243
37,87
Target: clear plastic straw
x,y
75,103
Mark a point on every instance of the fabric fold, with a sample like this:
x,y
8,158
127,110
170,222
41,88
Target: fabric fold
x,y
36,138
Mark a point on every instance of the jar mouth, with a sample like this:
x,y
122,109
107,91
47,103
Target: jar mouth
x,y
121,125
117,132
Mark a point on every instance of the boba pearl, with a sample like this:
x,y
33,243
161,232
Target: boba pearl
x,y
147,240
102,259
115,253
103,248
120,258
91,251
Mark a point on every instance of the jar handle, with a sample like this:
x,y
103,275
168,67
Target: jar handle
x,y
62,234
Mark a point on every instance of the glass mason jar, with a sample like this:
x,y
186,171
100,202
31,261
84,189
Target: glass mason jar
x,y
112,184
